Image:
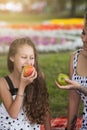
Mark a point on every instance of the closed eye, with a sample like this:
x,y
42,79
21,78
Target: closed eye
x,y
24,57
32,58
83,33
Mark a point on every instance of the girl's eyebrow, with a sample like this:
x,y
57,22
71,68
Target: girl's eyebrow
x,y
83,32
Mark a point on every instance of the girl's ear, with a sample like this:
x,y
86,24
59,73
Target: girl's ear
x,y
12,58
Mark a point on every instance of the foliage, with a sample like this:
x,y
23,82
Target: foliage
x,y
70,8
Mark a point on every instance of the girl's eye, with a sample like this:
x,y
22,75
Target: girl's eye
x,y
23,57
83,33
32,58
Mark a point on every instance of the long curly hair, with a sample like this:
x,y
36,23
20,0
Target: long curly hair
x,y
36,100
35,103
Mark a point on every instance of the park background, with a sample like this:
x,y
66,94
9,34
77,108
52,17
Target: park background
x,y
55,26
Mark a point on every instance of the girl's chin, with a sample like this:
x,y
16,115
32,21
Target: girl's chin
x,y
84,48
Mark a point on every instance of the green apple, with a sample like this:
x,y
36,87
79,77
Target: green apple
x,y
61,79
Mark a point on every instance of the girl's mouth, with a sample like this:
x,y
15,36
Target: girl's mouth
x,y
22,67
85,48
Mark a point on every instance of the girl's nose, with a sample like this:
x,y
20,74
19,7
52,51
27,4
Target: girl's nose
x,y
85,38
28,62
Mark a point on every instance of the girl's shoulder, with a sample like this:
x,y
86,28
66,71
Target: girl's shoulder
x,y
2,80
74,53
3,84
4,89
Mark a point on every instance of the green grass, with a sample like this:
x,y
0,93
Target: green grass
x,y
51,64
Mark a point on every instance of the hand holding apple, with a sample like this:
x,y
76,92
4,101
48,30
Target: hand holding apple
x,y
28,70
71,84
61,78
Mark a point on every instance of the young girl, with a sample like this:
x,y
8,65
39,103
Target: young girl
x,y
78,83
24,99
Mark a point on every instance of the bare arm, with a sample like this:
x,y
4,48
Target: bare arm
x,y
13,106
47,121
82,89
74,101
72,85
73,107
47,118
74,97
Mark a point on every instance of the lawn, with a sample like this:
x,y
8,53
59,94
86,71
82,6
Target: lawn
x,y
51,64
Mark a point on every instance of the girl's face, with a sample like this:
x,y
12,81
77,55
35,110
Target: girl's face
x,y
84,39
24,56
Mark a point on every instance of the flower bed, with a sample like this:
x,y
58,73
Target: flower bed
x,y
54,35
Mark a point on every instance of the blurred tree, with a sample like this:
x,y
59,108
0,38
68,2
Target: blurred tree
x,y
56,7
78,7
73,8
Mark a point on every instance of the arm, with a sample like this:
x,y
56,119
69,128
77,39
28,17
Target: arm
x,y
13,106
47,121
73,106
72,85
47,118
74,101
8,101
82,89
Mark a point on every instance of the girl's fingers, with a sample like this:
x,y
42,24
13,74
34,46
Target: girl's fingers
x,y
57,84
62,86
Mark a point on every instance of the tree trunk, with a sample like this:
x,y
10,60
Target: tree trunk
x,y
73,8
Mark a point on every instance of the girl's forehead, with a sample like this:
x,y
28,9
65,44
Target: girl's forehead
x,y
25,49
85,28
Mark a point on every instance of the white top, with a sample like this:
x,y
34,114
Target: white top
x,y
21,123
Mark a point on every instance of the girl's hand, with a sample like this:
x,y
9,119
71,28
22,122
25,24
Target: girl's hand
x,y
70,85
28,80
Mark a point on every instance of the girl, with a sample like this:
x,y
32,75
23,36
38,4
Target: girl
x,y
78,83
24,99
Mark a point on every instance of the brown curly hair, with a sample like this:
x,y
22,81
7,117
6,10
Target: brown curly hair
x,y
36,100
35,103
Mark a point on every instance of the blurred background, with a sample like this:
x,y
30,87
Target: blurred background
x,y
58,8
55,26
59,22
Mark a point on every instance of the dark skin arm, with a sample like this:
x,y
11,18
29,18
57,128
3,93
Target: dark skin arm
x,y
72,85
74,97
73,107
47,121
47,118
74,101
